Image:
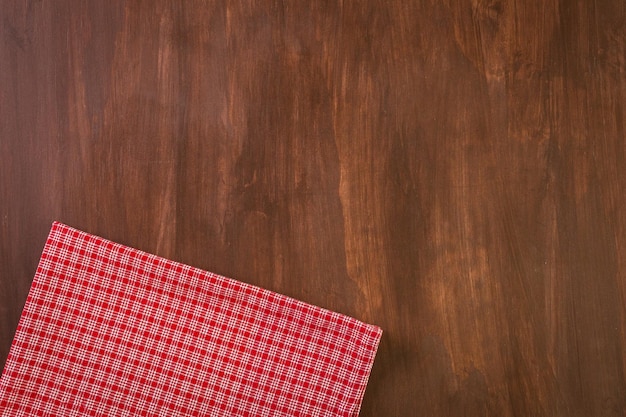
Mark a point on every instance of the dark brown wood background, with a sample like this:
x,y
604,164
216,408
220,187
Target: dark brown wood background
x,y
450,170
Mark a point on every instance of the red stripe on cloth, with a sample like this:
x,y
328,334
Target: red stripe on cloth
x,y
109,330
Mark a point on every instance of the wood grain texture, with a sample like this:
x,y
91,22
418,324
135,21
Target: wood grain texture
x,y
452,171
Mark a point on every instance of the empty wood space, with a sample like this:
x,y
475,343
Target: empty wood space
x,y
453,171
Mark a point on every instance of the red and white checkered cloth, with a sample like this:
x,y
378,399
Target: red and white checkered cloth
x,y
108,330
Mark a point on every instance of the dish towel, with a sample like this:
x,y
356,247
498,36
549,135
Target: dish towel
x,y
109,330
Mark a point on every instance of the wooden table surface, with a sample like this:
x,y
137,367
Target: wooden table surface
x,y
452,171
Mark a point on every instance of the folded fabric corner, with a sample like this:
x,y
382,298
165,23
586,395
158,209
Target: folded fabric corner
x,y
108,330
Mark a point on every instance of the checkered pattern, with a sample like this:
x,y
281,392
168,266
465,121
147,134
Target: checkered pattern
x,y
108,330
